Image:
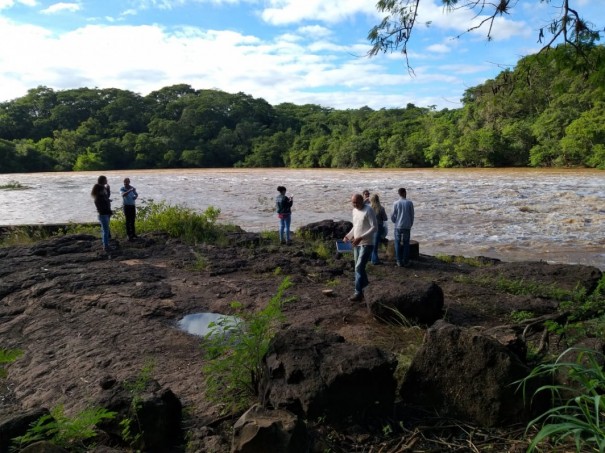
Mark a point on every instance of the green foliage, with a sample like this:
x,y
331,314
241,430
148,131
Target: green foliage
x,y
8,356
586,315
521,315
577,393
547,111
234,352
177,221
74,434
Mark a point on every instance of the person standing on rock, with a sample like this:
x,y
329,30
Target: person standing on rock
x,y
361,237
381,218
100,194
283,206
129,195
403,218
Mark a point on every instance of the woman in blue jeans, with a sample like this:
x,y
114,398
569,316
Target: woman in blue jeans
x,y
101,193
381,217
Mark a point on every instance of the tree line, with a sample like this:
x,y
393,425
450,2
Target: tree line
x,y
547,111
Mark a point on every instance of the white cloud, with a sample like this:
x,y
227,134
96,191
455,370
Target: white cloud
x,y
60,7
5,4
284,12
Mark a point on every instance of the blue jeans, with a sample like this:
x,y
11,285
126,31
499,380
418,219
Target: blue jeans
x,y
284,228
105,234
402,245
377,240
361,255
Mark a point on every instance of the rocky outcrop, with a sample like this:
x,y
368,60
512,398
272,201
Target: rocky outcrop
x,y
326,229
463,374
313,373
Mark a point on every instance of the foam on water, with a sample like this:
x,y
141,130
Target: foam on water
x,y
518,214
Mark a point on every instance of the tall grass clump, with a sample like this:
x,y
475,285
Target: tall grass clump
x,y
176,221
578,405
235,349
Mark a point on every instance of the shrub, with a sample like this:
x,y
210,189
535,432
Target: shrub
x,y
176,221
235,350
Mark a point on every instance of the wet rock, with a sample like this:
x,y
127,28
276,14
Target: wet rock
x,y
313,373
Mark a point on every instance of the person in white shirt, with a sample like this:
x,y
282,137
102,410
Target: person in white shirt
x,y
361,237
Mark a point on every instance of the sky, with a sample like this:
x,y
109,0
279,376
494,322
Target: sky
x,y
298,51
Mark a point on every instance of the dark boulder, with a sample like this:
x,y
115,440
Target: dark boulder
x,y
313,373
417,301
326,229
17,425
464,374
155,413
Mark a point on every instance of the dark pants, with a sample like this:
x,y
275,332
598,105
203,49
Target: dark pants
x,y
130,213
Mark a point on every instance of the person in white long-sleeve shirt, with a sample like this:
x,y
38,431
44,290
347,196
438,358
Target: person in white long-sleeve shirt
x,y
403,218
361,237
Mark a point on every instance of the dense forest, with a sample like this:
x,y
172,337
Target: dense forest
x,y
548,111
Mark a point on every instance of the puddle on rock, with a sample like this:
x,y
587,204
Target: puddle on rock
x,y
199,323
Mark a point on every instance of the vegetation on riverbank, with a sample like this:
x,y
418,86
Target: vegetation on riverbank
x,y
544,112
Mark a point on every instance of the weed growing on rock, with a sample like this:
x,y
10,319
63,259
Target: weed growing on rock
x,y
8,356
74,434
130,433
235,350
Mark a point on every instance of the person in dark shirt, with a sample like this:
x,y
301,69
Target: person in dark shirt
x,y
283,206
100,193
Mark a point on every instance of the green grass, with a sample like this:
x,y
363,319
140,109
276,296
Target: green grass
x,y
521,287
578,404
470,261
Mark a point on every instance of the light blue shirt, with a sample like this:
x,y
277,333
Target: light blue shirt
x,y
403,214
129,198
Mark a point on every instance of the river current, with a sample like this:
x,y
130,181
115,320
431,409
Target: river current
x,y
510,214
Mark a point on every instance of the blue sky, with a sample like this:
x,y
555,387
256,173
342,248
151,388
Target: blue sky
x,y
300,51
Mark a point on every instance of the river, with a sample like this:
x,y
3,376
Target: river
x,y
510,214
